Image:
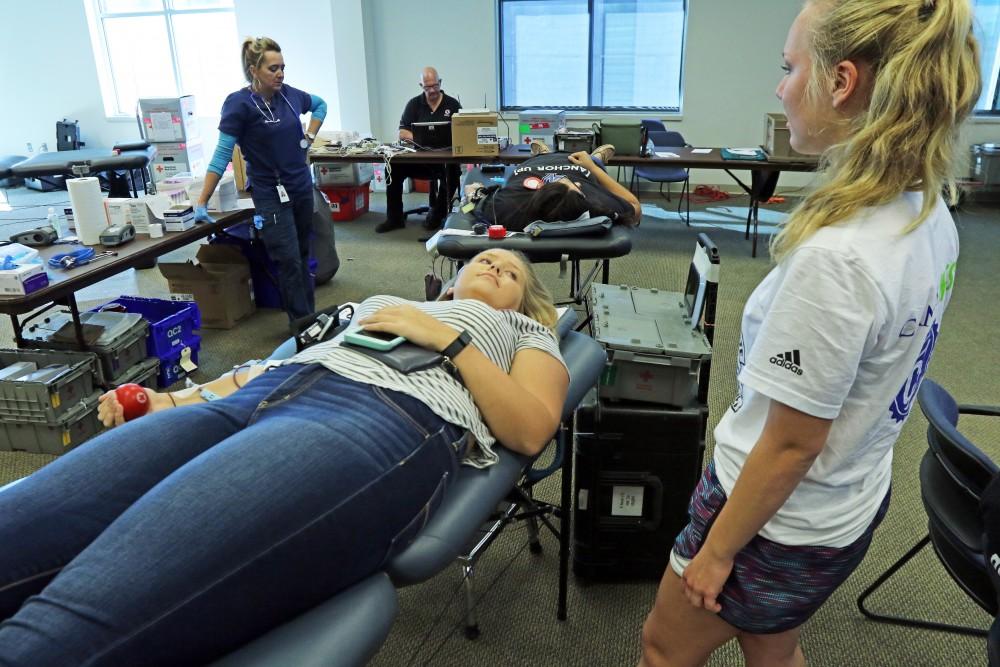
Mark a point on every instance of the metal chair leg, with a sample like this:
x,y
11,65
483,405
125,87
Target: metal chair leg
x,y
685,197
471,622
909,622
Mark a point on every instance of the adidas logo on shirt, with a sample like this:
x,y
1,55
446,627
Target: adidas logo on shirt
x,y
789,360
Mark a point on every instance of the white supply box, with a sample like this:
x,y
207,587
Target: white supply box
x,y
540,124
118,210
178,218
169,119
176,158
23,279
378,183
341,173
225,197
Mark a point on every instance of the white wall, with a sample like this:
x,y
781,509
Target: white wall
x,y
731,67
51,75
364,58
457,37
60,80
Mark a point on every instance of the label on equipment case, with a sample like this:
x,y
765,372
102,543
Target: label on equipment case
x,y
626,500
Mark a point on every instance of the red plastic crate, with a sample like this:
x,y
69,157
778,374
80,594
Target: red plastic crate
x,y
346,202
421,185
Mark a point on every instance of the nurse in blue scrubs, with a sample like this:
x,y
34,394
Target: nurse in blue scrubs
x,y
263,118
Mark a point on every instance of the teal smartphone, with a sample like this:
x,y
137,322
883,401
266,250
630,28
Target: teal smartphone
x,y
376,340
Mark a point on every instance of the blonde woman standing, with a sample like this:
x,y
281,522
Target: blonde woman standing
x,y
836,339
263,118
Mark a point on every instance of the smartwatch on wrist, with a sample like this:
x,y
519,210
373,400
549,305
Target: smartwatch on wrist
x,y
453,350
456,346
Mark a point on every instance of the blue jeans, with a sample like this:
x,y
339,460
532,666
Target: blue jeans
x,y
285,232
184,534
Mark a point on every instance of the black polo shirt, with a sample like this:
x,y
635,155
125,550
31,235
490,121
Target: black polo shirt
x,y
418,111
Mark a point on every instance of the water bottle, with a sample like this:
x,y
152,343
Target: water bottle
x,y
55,222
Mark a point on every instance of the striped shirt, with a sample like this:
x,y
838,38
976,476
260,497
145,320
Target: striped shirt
x,y
499,334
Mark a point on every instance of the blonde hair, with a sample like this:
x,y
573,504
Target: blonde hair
x,y
252,53
925,66
536,302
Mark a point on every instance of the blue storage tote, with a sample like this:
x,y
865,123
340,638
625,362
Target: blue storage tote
x,y
170,322
171,369
263,272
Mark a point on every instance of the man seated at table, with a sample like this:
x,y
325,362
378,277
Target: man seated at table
x,y
433,105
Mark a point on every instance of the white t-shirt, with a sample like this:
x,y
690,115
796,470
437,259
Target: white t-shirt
x,y
499,334
842,329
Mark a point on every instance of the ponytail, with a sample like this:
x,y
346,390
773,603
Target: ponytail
x,y
926,80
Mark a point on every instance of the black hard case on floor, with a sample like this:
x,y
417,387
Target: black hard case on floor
x,y
620,444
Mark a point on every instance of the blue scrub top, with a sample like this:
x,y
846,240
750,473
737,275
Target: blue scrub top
x,y
272,149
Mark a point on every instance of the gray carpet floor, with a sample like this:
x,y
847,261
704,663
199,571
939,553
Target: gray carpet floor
x,y
516,591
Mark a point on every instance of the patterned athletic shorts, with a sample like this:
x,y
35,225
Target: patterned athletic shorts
x,y
773,587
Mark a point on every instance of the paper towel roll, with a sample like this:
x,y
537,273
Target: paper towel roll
x,y
88,209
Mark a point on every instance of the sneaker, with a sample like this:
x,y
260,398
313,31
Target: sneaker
x,y
388,226
604,153
538,147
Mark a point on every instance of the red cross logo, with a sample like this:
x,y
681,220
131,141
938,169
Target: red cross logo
x,y
159,168
646,376
323,171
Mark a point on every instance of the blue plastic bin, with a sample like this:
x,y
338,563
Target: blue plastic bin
x,y
263,271
170,368
170,322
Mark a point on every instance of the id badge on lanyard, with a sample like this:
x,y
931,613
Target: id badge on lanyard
x,y
282,194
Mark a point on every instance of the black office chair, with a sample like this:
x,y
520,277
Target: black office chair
x,y
432,194
993,644
953,475
659,137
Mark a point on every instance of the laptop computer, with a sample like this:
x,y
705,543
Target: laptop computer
x,y
432,134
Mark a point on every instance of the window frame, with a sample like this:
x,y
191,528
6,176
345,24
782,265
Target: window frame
x,y
661,110
102,55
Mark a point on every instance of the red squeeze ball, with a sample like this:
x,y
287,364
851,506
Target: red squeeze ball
x,y
133,399
497,232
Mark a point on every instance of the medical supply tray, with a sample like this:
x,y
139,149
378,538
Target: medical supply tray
x,y
119,339
47,401
72,429
143,373
655,353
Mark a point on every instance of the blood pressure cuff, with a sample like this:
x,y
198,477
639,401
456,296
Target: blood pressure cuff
x,y
406,357
586,227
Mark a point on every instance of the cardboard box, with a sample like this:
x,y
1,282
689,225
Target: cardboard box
x,y
224,198
23,279
239,170
178,218
475,133
540,124
346,202
378,183
342,174
118,210
777,139
219,282
177,158
169,119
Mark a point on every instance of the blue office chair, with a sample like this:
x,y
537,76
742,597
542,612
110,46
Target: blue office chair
x,y
659,137
953,475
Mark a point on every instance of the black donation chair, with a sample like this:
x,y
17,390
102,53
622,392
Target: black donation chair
x,y
953,475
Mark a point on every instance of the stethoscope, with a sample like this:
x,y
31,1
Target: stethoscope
x,y
270,116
